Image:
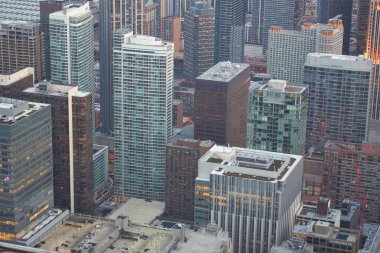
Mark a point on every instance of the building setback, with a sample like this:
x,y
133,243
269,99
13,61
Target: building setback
x,y
339,88
21,47
346,164
181,170
199,29
221,97
277,116
143,113
16,82
26,166
253,195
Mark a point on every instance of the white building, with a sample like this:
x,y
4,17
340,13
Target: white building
x,y
251,194
287,49
143,87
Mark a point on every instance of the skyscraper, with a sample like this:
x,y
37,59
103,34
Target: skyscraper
x,y
339,88
363,11
46,8
255,31
328,9
277,13
20,10
229,30
277,115
21,47
221,97
181,171
72,47
143,87
199,28
26,165
253,195
372,52
285,64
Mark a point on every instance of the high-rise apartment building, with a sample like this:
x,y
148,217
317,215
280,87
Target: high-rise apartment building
x,y
253,195
285,64
20,10
21,47
199,28
328,9
277,116
113,15
339,88
26,165
72,47
351,171
221,97
46,8
372,52
277,13
362,17
143,87
181,170
72,143
229,30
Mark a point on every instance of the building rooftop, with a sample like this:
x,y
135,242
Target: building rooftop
x,y
145,43
283,86
98,149
139,211
339,62
371,233
223,71
294,245
248,163
309,212
50,89
71,10
16,76
13,110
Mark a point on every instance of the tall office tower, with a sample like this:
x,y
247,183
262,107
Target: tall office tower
x,y
20,10
229,30
171,30
198,35
255,31
143,114
277,13
161,6
372,52
113,15
72,47
284,63
181,171
221,97
46,8
277,116
16,82
339,88
253,195
328,9
20,47
72,143
143,17
27,166
362,18
352,172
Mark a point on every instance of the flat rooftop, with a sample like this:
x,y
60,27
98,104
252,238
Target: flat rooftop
x,y
310,212
339,62
15,76
283,86
372,242
139,211
249,163
223,71
13,110
47,88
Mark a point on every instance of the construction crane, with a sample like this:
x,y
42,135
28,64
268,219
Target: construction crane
x,y
362,196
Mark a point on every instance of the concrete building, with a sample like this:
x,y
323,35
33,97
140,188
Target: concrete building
x,y
221,97
143,114
243,192
20,10
229,30
339,88
371,235
177,113
328,9
21,47
187,95
171,30
16,82
372,52
46,8
277,13
72,143
26,166
285,64
72,58
351,172
199,29
181,170
277,116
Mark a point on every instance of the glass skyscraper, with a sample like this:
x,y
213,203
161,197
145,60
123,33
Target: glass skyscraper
x,y
26,165
143,87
